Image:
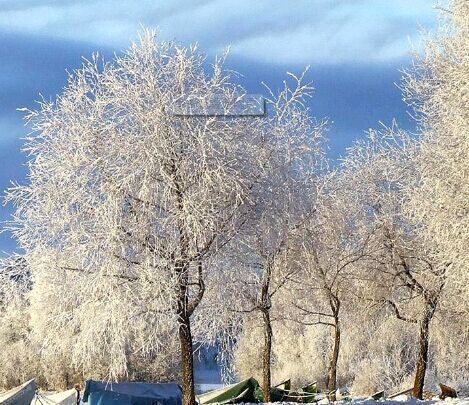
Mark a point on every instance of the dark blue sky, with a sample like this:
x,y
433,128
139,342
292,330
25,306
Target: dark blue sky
x,y
355,49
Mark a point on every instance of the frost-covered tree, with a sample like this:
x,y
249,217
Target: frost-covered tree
x,y
29,350
438,89
262,254
405,274
299,353
282,205
128,198
17,358
331,243
379,351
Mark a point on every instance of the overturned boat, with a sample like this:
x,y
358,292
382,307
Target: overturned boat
x,y
68,397
21,395
244,391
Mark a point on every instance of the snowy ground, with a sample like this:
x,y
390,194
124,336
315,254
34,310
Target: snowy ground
x,y
401,400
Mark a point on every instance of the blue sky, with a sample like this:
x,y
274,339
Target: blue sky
x,y
355,49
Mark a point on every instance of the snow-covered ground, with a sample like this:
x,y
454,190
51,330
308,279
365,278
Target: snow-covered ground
x,y
401,400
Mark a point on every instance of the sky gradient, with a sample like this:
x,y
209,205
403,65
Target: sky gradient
x,y
355,49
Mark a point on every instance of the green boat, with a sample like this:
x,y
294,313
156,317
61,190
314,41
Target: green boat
x,y
231,394
309,392
276,394
249,390
378,395
22,395
283,393
284,385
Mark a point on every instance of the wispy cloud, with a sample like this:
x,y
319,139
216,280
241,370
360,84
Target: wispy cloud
x,y
305,31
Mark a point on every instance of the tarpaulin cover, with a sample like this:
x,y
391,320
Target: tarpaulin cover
x,y
132,393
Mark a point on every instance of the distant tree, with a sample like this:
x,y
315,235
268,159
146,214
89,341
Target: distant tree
x,y
17,363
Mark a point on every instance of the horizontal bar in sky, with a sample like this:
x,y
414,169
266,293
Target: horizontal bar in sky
x,y
247,105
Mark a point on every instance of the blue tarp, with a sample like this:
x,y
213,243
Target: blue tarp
x,y
132,393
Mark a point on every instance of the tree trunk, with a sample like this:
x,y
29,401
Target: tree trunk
x,y
332,372
266,355
185,337
183,312
422,359
187,361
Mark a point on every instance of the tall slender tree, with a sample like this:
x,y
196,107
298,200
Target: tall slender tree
x,y
330,246
281,201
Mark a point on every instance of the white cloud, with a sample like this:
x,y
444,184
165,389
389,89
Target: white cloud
x,y
291,32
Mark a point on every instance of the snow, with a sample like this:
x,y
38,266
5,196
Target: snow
x,y
400,400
